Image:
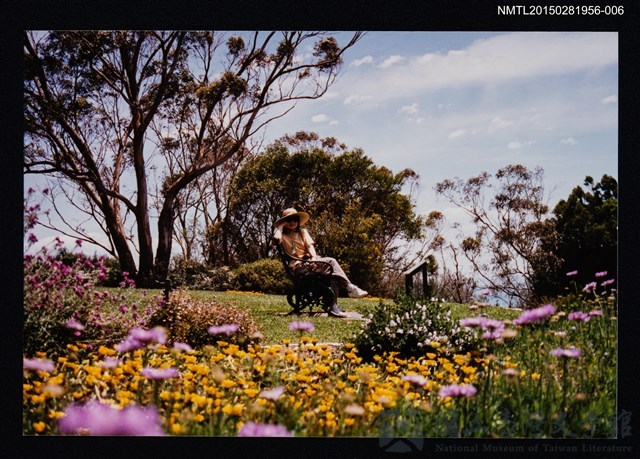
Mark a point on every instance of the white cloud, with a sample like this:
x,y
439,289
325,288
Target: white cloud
x,y
364,60
492,61
409,109
457,133
357,99
391,60
568,141
334,122
320,118
613,99
500,123
517,145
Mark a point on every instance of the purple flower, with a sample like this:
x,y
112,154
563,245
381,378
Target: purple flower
x,y
473,322
32,238
252,429
272,394
38,365
572,273
601,274
157,334
177,346
160,373
415,379
608,282
455,390
129,345
572,352
95,418
590,286
579,316
225,329
139,337
535,315
301,326
110,362
595,312
74,325
495,335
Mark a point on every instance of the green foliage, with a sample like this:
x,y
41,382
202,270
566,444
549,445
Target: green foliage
x,y
266,276
187,320
587,227
411,329
194,275
360,214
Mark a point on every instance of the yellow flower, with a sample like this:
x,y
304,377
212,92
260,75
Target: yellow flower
x,y
39,426
233,410
176,428
103,350
349,422
535,376
251,392
227,384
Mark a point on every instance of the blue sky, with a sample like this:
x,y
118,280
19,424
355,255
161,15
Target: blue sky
x,y
450,104
455,104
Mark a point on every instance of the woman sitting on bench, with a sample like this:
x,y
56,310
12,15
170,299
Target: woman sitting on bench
x,y
298,243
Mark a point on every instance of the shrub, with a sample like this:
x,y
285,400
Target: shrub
x,y
194,275
187,320
267,276
411,329
58,291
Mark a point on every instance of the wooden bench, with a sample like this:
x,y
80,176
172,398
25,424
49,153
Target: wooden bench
x,y
311,283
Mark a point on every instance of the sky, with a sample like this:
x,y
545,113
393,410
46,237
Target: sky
x,y
455,104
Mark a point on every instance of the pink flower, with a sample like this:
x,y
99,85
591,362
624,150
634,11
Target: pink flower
x,y
74,325
252,429
590,286
160,373
455,390
301,326
225,329
415,379
601,274
572,273
579,316
38,365
95,418
535,315
272,394
572,352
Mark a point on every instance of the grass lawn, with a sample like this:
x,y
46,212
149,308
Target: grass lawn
x,y
269,312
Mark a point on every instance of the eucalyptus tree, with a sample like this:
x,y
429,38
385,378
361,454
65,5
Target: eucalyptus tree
x,y
512,233
104,108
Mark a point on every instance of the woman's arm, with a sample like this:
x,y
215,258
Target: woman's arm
x,y
277,234
309,243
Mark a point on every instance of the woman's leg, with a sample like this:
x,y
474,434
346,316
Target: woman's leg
x,y
343,281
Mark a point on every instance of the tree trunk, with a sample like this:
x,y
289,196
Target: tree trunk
x,y
165,237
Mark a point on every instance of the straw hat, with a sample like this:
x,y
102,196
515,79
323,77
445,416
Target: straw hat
x,y
303,216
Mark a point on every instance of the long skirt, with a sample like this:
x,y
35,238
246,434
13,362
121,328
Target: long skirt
x,y
338,275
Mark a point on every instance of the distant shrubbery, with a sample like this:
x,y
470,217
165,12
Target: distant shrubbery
x,y
187,320
267,276
198,276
